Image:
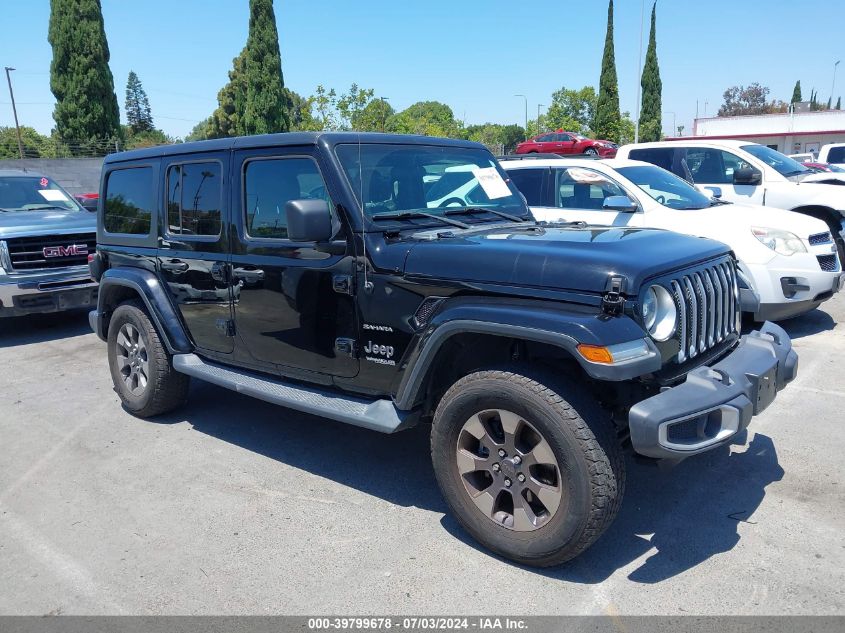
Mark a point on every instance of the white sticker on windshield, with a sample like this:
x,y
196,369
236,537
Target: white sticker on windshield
x,y
492,183
53,195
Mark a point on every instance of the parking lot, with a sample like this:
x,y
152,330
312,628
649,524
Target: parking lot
x,y
233,506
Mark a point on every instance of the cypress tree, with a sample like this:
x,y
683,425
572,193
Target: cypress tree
x,y
651,121
839,103
607,123
80,79
137,107
796,92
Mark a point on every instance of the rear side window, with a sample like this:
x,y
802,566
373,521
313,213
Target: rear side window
x,y
660,156
530,184
193,199
836,155
129,201
270,184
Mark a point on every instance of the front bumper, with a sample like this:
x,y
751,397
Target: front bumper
x,y
787,289
715,403
46,291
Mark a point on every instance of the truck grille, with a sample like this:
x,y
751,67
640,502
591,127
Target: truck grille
x,y
50,251
827,262
708,308
820,238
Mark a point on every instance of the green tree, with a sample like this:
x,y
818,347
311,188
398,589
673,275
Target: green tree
x,y
137,107
146,138
201,131
796,92
498,137
374,116
839,103
626,129
428,118
740,101
651,118
572,110
299,112
80,79
607,118
35,145
351,105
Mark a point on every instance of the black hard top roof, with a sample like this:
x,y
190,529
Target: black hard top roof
x,y
286,139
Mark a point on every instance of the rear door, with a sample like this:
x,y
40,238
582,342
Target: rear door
x,y
294,302
193,247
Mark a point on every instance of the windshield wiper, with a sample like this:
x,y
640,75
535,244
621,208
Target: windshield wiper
x,y
715,202
473,210
44,207
405,215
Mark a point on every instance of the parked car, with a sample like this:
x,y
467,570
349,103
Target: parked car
x,y
824,167
45,239
563,143
807,157
833,153
88,200
752,174
534,351
789,260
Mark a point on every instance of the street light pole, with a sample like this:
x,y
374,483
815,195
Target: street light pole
x,y
833,87
384,101
526,114
539,105
639,76
15,111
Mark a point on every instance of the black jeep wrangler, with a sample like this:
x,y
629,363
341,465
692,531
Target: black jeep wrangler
x,y
385,280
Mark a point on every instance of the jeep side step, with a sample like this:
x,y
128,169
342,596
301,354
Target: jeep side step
x,y
377,415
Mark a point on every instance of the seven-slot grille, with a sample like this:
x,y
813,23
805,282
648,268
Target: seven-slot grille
x,y
708,306
50,251
827,262
821,238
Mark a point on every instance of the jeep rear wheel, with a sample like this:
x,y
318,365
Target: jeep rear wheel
x,y
141,368
532,476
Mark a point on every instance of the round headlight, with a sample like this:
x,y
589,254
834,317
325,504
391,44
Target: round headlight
x,y
660,316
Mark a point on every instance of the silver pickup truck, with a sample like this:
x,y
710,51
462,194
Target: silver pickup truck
x,y
45,239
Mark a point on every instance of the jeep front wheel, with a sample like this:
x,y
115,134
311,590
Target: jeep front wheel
x,y
141,368
532,476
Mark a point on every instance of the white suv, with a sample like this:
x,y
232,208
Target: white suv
x,y
753,174
833,153
788,259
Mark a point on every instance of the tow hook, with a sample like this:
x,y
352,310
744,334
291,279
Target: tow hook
x,y
612,303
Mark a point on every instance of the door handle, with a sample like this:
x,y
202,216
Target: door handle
x,y
174,265
249,275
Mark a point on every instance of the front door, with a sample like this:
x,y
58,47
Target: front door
x,y
294,302
193,247
578,193
713,168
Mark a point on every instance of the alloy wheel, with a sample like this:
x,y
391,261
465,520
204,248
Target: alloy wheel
x,y
132,359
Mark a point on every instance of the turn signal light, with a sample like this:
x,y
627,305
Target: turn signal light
x,y
596,354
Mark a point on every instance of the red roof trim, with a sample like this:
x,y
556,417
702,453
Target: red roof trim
x,y
740,136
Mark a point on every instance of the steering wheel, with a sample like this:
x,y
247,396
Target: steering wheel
x,y
450,201
661,199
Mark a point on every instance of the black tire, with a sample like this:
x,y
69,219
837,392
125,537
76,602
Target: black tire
x,y
582,439
591,151
165,389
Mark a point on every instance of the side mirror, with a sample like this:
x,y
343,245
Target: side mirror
x,y
747,176
308,220
620,203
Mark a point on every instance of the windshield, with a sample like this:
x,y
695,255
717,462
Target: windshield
x,y
781,163
30,193
434,179
665,187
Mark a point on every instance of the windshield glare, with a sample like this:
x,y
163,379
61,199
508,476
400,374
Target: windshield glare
x,y
433,179
781,163
665,187
30,193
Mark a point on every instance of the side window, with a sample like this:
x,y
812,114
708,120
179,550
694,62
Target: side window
x,y
732,162
530,183
836,155
129,201
707,166
545,138
563,137
269,185
194,193
579,188
660,156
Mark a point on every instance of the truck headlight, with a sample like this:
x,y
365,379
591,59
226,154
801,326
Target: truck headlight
x,y
660,316
781,242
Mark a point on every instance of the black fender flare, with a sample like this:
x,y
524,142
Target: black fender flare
x,y
149,289
564,326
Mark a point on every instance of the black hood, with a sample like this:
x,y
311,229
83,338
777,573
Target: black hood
x,y
574,258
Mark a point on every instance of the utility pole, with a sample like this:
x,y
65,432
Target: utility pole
x,y
833,87
539,105
639,75
15,110
384,101
526,114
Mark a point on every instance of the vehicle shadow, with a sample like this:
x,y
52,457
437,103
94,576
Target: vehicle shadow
x,y
808,324
396,468
688,513
40,328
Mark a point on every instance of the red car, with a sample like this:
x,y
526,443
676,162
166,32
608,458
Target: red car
x,y
821,166
561,142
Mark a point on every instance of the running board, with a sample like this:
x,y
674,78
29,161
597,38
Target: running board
x,y
377,415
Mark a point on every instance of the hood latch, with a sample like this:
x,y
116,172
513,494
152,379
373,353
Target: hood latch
x,y
612,303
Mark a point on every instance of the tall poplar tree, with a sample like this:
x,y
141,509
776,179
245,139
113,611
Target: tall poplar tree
x,y
651,120
254,100
137,106
796,92
607,125
86,106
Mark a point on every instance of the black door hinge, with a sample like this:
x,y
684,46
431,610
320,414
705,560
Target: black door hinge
x,y
345,347
342,284
225,326
613,302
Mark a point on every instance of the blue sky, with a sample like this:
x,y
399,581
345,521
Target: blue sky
x,y
473,55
